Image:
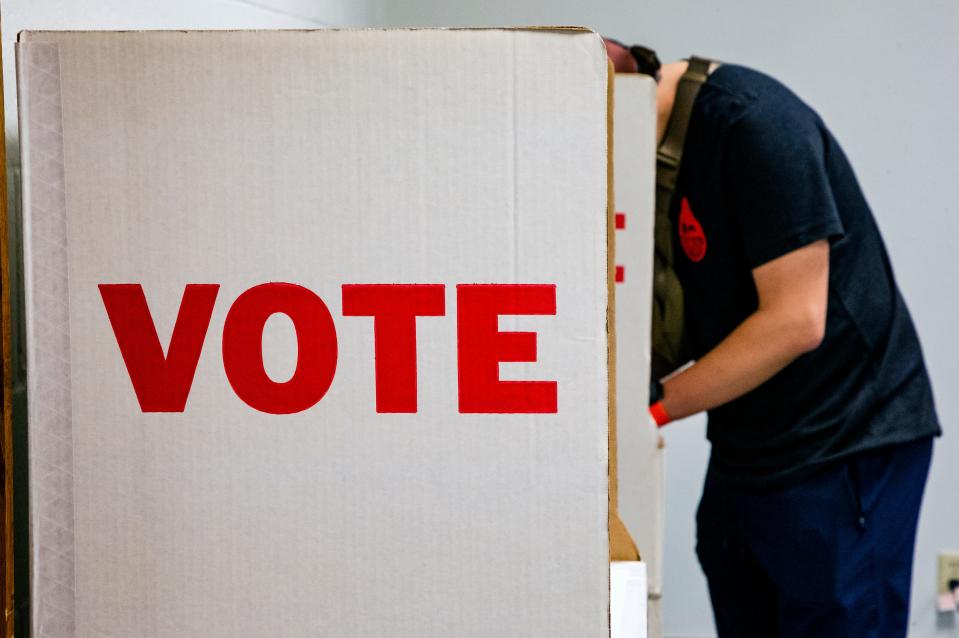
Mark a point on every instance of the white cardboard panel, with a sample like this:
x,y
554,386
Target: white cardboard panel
x,y
654,616
641,488
321,159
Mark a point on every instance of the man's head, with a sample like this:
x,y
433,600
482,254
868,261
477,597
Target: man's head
x,y
623,60
634,59
638,59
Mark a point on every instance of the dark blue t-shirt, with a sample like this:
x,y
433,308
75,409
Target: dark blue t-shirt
x,y
762,176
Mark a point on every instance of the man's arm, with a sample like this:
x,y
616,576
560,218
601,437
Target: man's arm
x,y
790,320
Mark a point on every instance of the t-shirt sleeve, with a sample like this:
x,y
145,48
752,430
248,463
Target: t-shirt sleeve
x,y
776,181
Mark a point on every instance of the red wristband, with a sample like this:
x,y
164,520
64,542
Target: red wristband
x,y
659,414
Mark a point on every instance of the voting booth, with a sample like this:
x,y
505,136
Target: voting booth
x,y
641,502
320,334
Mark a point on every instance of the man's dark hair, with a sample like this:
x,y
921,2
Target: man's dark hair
x,y
646,59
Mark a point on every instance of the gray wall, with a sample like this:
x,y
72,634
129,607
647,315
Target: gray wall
x,y
882,74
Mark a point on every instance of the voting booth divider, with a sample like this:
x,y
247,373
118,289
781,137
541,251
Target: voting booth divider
x,y
640,450
320,335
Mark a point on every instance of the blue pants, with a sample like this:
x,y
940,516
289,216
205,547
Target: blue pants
x,y
828,558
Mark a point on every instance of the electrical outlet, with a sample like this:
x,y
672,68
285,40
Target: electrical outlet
x,y
948,570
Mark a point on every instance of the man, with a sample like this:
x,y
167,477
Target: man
x,y
821,414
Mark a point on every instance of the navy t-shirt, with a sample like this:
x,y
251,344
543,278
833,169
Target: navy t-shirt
x,y
762,176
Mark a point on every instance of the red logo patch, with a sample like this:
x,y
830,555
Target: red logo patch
x,y
691,234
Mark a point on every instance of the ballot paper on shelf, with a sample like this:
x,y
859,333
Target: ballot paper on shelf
x,y
316,331
627,599
641,456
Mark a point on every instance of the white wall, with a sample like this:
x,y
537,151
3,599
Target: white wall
x,y
18,15
882,74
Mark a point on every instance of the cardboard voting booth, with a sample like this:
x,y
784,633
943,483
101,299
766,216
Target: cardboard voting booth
x,y
640,452
317,332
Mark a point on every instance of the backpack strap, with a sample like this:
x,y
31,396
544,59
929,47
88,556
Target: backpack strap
x,y
668,305
670,153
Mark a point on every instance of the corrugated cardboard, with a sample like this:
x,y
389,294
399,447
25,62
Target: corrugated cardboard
x,y
319,159
640,469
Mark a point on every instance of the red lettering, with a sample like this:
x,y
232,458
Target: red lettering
x,y
161,382
243,348
482,347
394,308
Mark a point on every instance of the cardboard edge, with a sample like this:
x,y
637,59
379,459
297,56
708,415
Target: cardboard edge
x,y
25,34
47,595
6,443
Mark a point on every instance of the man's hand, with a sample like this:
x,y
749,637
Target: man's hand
x,y
793,292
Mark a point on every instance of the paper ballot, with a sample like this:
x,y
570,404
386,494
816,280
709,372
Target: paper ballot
x,y
627,600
